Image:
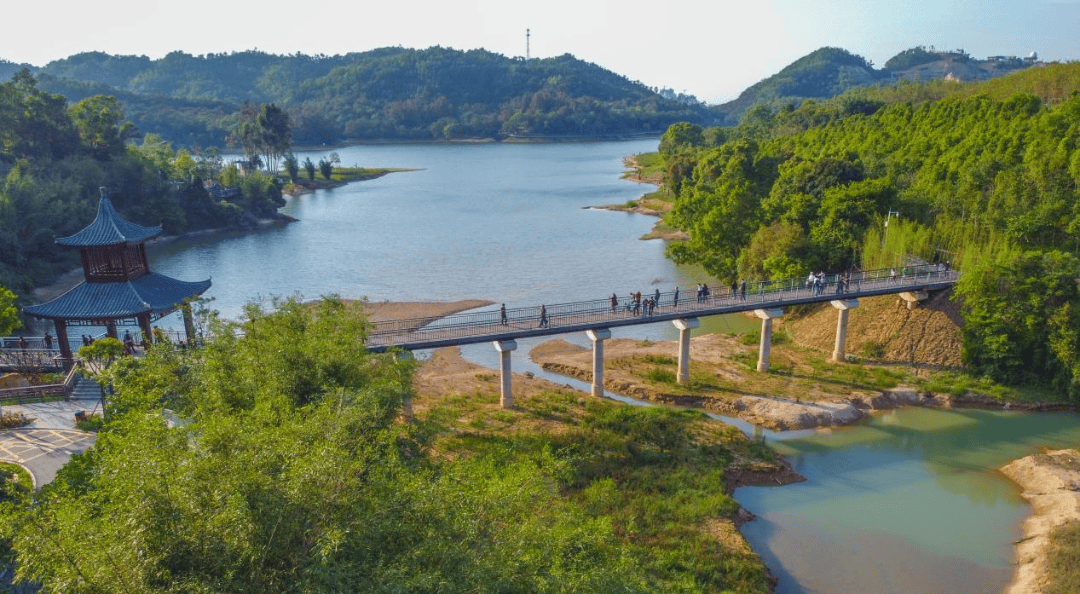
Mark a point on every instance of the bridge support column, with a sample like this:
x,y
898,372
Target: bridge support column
x,y
914,297
841,326
765,346
406,403
685,325
506,393
598,336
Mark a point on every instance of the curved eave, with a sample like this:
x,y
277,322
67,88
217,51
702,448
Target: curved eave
x,y
149,293
109,229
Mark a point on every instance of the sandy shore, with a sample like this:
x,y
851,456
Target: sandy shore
x,y
1051,484
378,311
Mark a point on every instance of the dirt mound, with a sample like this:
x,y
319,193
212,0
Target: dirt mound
x,y
884,329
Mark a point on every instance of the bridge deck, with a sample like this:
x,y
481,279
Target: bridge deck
x,y
485,326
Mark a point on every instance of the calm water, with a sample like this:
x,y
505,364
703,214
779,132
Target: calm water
x,y
908,502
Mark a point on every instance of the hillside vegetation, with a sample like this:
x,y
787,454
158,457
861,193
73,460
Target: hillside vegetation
x,y
436,93
984,175
829,71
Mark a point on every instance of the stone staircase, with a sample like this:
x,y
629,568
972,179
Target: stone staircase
x,y
85,389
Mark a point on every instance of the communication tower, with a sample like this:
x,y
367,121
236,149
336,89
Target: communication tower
x,y
527,34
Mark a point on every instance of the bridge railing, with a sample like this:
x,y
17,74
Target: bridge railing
x,y
491,322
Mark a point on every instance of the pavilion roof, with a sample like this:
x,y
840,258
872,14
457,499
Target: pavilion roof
x,y
151,292
109,229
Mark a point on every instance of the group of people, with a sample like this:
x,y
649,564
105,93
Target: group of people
x,y
817,282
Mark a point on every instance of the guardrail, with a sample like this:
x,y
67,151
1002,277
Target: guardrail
x,y
42,392
472,327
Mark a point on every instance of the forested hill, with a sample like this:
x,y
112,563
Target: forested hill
x,y
389,93
983,175
830,71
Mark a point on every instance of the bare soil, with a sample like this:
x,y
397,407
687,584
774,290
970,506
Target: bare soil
x,y
927,336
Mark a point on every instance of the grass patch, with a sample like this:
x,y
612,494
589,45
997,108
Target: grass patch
x,y
660,376
873,350
1063,560
654,476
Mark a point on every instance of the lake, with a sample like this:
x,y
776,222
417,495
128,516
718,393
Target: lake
x,y
907,502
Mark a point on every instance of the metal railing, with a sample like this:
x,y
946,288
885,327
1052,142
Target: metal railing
x,y
480,326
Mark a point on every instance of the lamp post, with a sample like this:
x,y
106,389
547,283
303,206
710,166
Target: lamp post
x,y
887,217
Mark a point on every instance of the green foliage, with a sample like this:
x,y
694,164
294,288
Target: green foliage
x,y
660,376
1022,311
910,58
9,313
436,93
292,167
102,352
309,167
290,473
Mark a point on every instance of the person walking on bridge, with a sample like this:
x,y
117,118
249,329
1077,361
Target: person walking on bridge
x,y
543,317
675,298
742,290
502,314
656,297
614,302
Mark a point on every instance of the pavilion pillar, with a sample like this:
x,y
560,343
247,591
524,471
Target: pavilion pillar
x,y
843,305
685,325
189,323
67,359
765,346
598,336
144,325
506,387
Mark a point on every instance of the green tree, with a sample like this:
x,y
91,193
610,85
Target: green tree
x,y
101,125
309,167
326,168
9,313
274,133
292,166
1021,315
290,473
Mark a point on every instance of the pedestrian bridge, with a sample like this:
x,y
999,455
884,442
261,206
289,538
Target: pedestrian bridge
x,y
597,317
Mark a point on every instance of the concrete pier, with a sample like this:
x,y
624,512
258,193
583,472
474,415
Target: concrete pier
x,y
685,325
843,305
506,388
598,336
914,297
765,346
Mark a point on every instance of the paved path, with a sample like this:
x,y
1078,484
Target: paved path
x,y
45,445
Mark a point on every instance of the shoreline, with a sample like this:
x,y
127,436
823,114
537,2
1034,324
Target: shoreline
x,y
1050,482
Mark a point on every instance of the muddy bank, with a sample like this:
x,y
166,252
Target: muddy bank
x,y
815,409
1051,484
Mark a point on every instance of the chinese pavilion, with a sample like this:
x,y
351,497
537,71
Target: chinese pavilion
x,y
119,288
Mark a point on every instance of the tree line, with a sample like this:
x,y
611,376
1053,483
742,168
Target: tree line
x,y
984,179
436,93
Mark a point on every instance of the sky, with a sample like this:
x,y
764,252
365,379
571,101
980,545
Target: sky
x,y
712,49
